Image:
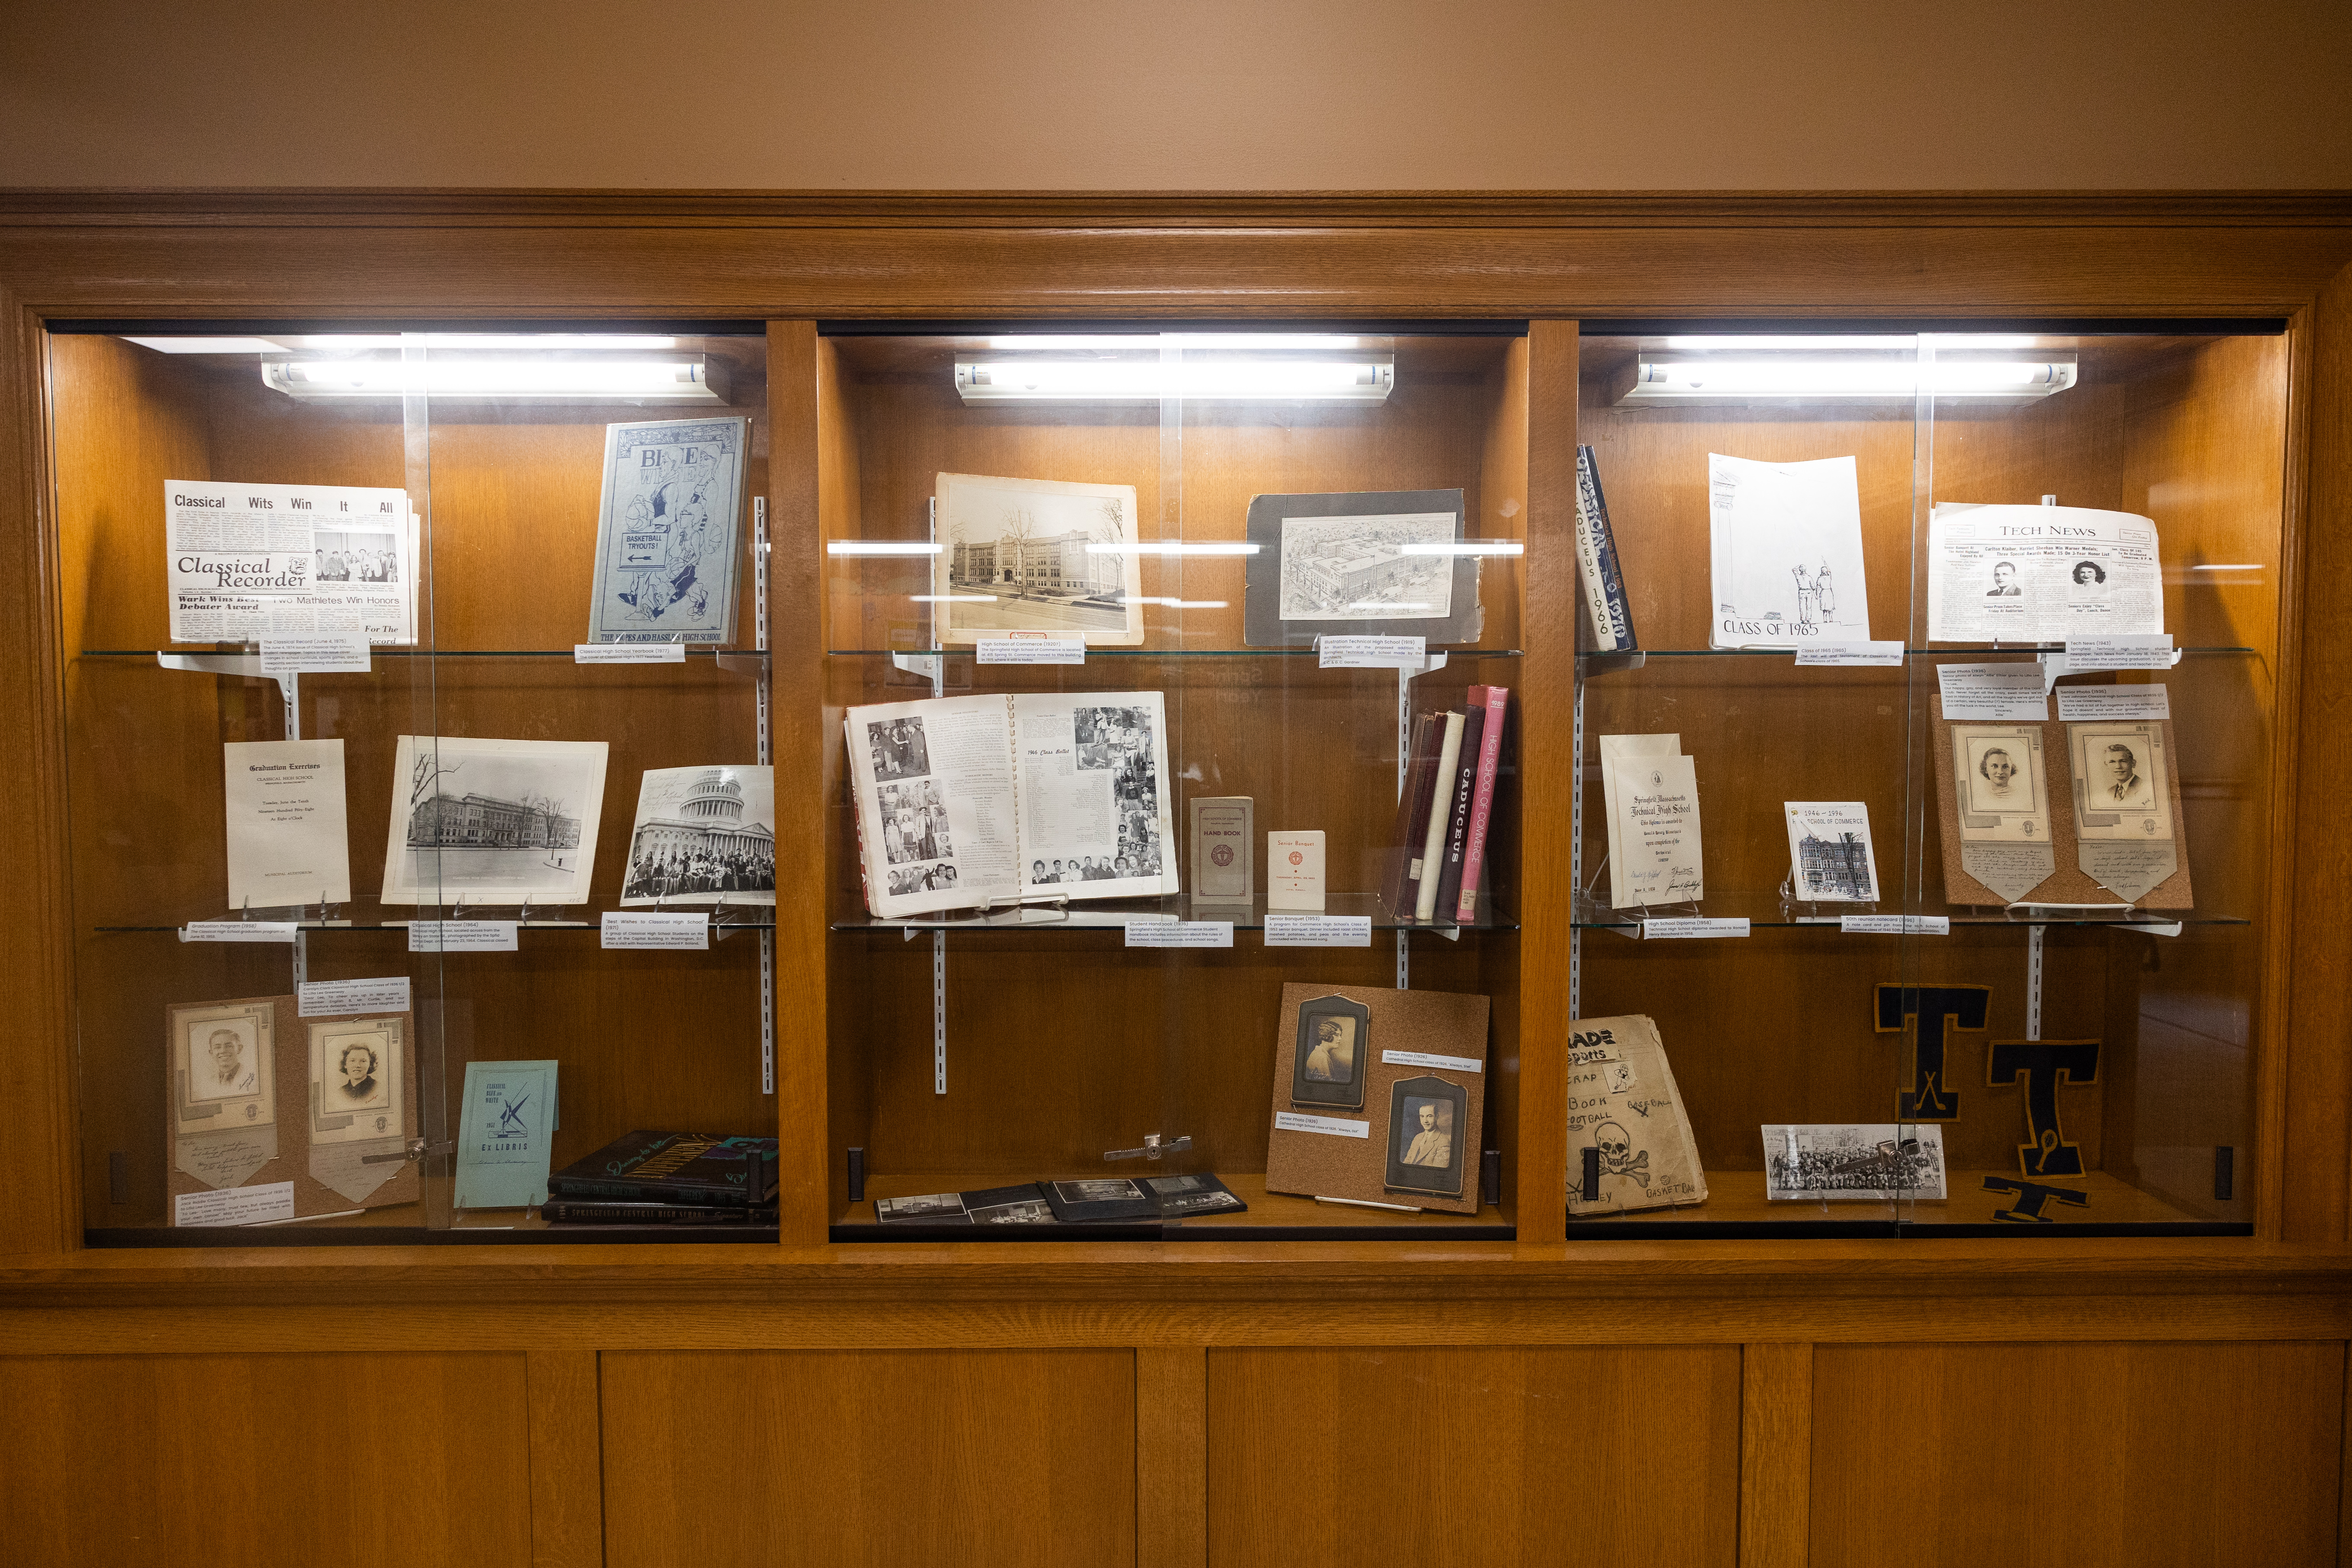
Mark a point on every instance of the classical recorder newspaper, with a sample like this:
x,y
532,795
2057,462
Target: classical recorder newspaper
x,y
246,562
964,802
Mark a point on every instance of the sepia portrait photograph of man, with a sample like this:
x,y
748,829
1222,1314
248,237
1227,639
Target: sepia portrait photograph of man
x,y
1425,1136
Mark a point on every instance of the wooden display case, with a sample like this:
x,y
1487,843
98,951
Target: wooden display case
x,y
508,1392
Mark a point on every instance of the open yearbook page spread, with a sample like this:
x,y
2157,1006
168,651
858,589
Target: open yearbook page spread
x,y
967,801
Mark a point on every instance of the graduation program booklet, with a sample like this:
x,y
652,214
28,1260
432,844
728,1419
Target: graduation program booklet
x,y
967,801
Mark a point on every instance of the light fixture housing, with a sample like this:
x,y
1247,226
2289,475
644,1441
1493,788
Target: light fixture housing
x,y
1224,368
564,376
1732,371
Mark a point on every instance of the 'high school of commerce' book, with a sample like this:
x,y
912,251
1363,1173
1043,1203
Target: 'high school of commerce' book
x,y
691,1168
963,802
1606,610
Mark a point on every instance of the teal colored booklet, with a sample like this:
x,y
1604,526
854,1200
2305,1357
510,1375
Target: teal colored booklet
x,y
506,1130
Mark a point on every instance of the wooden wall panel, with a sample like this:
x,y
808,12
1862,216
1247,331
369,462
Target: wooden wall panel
x,y
896,1460
308,1461
1445,1457
2087,1455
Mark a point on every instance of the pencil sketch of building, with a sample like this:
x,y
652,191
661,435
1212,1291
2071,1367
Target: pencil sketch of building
x,y
1835,868
1359,568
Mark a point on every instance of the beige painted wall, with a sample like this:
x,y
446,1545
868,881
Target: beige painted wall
x,y
1279,94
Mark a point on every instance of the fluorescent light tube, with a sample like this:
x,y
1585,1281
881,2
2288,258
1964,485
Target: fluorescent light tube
x,y
881,547
1747,376
1054,379
674,378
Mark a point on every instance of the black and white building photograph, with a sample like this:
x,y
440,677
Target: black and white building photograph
x,y
1038,555
493,822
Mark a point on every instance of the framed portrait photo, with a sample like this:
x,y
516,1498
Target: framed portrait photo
x,y
358,1067
221,1068
1332,1050
1428,1130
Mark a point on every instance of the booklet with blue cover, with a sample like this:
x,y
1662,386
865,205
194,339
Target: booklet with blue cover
x,y
506,1130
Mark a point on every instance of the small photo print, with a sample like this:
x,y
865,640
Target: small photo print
x,y
221,1066
1192,1194
354,556
914,822
1854,1162
930,1208
904,879
1426,1136
1098,1192
1025,1210
2119,783
1329,1053
357,1066
1119,741
899,749
2004,789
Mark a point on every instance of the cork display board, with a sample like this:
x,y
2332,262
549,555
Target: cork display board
x,y
256,1094
2067,882
1413,1062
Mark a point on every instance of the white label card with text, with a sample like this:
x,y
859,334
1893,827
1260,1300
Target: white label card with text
x,y
1180,933
1329,1126
1688,926
1318,930
235,1205
334,999
628,653
1030,650
2121,651
318,653
630,928
1993,693
1370,652
2090,704
1430,1059
461,936
238,931
1850,653
1895,925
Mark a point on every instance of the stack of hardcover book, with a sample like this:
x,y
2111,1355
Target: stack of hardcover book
x,y
667,1178
1437,864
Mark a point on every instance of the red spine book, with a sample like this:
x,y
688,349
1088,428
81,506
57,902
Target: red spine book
x,y
1482,803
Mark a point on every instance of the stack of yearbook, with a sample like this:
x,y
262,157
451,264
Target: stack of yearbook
x,y
667,1178
1437,859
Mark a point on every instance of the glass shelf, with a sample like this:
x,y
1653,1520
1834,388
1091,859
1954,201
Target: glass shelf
x,y
694,651
1946,650
1767,909
1094,653
367,914
1112,917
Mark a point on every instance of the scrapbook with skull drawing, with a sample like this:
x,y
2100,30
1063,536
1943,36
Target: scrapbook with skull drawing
x,y
1629,1143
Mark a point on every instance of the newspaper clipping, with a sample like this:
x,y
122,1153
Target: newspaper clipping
x,y
247,561
2041,574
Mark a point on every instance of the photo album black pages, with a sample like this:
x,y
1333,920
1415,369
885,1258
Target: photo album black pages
x,y
967,801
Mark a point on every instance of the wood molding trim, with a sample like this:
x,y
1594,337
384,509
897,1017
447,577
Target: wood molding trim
x,y
1125,209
